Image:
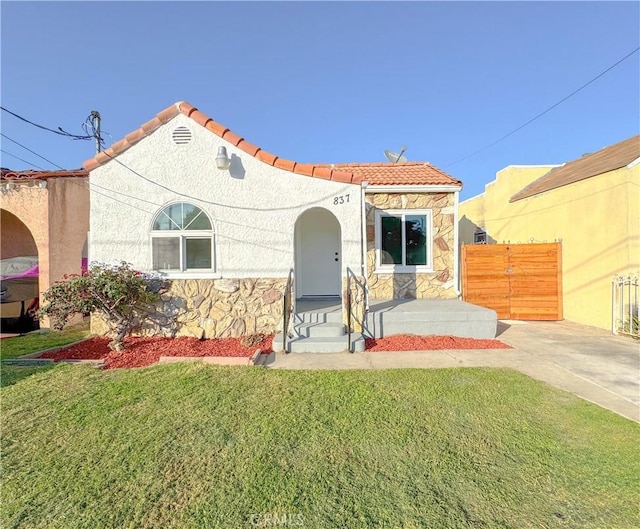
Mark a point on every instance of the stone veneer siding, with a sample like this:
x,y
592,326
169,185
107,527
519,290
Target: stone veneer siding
x,y
213,308
433,285
356,285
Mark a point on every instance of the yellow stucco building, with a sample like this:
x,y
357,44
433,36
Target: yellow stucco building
x,y
591,204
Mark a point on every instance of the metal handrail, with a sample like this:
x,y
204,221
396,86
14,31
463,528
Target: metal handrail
x,y
287,309
349,309
353,279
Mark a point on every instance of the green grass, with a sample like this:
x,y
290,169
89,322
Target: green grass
x,y
32,343
38,341
10,374
193,446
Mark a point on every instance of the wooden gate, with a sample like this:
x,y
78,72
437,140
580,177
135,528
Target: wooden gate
x,y
518,281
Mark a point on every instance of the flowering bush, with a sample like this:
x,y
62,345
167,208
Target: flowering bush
x,y
118,293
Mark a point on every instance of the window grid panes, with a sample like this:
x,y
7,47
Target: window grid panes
x,y
415,243
166,253
182,217
391,240
198,253
188,243
404,239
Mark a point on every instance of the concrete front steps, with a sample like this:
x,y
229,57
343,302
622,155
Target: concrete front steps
x,y
319,331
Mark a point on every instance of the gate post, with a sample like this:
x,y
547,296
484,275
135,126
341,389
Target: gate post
x,y
614,328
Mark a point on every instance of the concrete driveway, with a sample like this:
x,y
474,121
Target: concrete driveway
x,y
588,362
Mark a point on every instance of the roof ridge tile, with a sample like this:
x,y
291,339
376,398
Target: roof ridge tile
x,y
233,138
336,172
249,148
8,174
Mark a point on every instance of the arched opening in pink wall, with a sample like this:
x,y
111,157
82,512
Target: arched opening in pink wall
x,y
19,271
16,238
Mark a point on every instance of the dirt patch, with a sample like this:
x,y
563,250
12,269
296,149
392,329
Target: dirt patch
x,y
140,352
410,342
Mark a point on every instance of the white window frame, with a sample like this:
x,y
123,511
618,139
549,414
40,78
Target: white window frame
x,y
183,236
403,269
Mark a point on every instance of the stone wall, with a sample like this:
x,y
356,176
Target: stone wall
x,y
213,308
438,284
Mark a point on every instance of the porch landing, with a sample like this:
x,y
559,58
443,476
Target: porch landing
x,y
412,316
430,317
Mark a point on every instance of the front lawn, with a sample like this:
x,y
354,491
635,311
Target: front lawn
x,y
31,343
191,445
39,341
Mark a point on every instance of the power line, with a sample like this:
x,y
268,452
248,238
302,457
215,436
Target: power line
x,y
76,183
200,199
32,152
92,187
21,159
60,130
543,112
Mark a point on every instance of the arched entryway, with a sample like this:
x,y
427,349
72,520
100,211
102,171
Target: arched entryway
x,y
318,255
19,289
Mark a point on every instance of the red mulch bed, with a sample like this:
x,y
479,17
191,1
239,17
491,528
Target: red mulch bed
x,y
409,342
140,352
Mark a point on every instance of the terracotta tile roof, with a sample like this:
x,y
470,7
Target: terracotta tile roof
x,y
394,174
220,130
605,160
377,173
32,174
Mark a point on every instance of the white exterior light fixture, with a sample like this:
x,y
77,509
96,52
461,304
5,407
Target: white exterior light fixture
x,y
222,159
42,184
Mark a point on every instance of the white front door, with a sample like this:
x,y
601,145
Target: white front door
x,y
318,262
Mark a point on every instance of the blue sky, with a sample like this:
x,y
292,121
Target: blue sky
x,y
329,81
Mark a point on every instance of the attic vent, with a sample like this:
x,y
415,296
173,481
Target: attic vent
x,y
181,135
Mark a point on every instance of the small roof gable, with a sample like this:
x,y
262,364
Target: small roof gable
x,y
416,173
396,174
32,174
600,162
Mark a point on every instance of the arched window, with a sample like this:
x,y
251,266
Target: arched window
x,y
182,239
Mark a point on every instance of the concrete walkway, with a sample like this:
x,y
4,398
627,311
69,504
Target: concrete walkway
x,y
588,362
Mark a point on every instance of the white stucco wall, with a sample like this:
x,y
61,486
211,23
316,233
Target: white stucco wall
x,y
253,206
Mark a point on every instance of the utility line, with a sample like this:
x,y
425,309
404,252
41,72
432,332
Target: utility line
x,y
21,159
200,199
543,112
93,187
60,131
32,152
88,186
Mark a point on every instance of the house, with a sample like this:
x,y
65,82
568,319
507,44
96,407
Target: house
x,y
591,204
238,231
44,222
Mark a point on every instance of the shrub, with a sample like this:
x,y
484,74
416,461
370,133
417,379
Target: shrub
x,y
120,294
